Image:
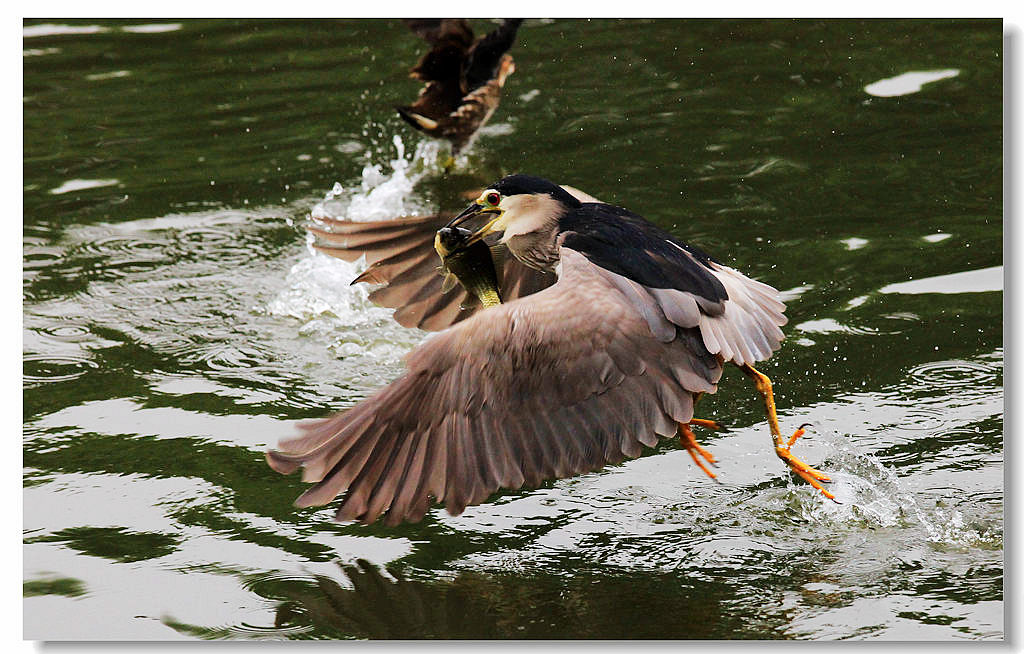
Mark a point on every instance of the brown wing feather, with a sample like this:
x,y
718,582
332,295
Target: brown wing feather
x,y
558,383
432,29
440,68
403,261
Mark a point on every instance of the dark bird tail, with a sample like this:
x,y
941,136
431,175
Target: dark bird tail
x,y
418,121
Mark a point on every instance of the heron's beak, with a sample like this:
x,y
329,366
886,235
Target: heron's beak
x,y
472,210
469,212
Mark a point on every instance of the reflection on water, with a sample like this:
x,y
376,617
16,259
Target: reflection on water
x,y
361,600
907,83
970,281
176,324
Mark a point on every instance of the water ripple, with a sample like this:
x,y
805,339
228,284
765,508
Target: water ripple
x,y
954,374
245,630
921,418
205,235
69,332
873,495
230,357
43,368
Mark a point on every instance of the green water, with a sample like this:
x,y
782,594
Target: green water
x,y
176,325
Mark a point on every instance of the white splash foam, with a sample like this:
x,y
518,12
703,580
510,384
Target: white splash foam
x,y
319,291
873,493
382,196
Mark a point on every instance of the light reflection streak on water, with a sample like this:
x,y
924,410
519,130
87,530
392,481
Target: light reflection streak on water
x,y
907,83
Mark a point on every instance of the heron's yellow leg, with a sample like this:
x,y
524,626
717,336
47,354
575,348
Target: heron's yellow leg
x,y
689,441
804,471
707,424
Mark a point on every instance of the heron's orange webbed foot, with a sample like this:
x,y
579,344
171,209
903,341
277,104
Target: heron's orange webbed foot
x,y
807,473
811,475
689,441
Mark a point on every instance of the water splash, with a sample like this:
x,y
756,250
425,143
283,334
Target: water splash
x,y
872,495
381,195
319,291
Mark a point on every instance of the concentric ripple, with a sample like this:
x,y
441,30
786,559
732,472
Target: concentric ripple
x,y
122,244
205,235
926,419
68,332
954,373
43,368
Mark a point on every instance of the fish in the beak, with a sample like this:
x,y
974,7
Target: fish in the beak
x,y
468,262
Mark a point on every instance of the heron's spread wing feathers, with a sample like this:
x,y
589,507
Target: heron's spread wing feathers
x,y
743,327
558,383
403,261
748,328
673,284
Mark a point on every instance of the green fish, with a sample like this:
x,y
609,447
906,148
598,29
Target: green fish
x,y
470,265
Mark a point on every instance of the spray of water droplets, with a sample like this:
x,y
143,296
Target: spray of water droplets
x,y
873,494
318,288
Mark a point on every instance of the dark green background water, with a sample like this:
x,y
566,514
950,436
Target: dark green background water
x,y
176,325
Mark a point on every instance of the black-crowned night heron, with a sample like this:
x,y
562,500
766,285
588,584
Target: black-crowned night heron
x,y
463,78
610,331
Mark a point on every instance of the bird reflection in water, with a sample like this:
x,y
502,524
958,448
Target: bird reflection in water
x,y
367,602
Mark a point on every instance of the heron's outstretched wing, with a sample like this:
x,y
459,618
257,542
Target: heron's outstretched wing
x,y
561,382
403,260
675,284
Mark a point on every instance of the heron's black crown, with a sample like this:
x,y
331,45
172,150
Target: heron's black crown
x,y
529,185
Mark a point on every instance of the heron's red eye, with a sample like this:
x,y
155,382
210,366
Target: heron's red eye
x,y
492,199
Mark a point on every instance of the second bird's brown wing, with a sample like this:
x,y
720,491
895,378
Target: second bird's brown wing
x,y
440,68
561,382
403,261
433,30
484,57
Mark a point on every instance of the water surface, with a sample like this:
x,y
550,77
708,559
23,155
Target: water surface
x,y
176,325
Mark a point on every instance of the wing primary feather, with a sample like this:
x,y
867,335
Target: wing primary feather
x,y
407,485
337,480
383,494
